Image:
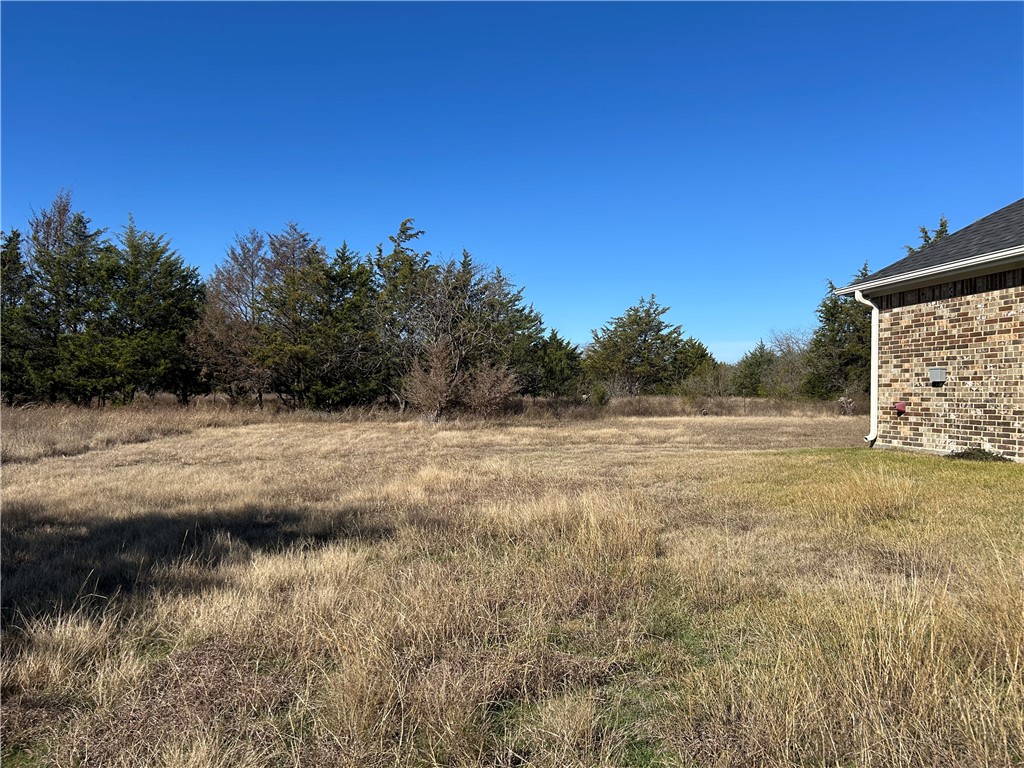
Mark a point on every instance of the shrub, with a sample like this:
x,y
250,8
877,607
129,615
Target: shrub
x,y
433,385
490,390
977,454
599,395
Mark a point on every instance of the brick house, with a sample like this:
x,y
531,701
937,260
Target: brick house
x,y
947,341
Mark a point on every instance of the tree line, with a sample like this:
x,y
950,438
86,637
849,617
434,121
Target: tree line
x,y
90,318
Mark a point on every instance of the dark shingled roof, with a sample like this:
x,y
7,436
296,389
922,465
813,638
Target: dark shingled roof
x,y
995,232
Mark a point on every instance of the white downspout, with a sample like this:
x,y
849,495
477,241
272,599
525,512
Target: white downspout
x,y
873,435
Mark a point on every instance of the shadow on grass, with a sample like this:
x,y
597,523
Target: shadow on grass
x,y
53,563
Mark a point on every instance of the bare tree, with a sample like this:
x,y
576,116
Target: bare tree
x,y
791,366
228,336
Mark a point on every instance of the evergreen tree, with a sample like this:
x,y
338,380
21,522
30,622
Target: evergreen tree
x,y
483,314
403,279
515,328
839,353
347,359
16,376
640,353
157,301
479,335
296,302
559,367
753,373
927,238
72,269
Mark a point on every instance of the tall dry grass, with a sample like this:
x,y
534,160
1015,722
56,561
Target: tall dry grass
x,y
36,432
627,592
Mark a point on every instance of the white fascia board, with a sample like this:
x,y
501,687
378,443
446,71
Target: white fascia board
x,y
951,271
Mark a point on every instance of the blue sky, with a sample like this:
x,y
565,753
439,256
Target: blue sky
x,y
728,157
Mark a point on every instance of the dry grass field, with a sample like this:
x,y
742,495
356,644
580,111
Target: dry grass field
x,y
661,591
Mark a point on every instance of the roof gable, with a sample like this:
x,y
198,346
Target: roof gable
x,y
996,232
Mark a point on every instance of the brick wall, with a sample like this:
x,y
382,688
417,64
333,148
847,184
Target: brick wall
x,y
979,340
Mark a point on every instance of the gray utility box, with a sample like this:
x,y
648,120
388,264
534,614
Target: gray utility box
x,y
936,376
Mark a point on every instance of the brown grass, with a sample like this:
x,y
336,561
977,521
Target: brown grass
x,y
34,432
38,432
632,592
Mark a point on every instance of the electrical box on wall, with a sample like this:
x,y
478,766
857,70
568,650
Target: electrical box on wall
x,y
937,376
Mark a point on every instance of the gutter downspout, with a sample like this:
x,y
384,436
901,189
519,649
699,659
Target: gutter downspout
x,y
873,435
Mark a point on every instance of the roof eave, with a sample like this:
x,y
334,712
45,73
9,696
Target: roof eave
x,y
973,266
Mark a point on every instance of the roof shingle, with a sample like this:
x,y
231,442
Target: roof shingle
x,y
995,232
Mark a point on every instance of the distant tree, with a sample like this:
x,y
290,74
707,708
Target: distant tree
x,y
347,355
402,282
927,238
752,377
839,352
483,314
228,336
777,369
90,320
72,268
296,304
97,320
790,369
513,327
157,301
478,331
559,367
640,353
465,315
710,379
